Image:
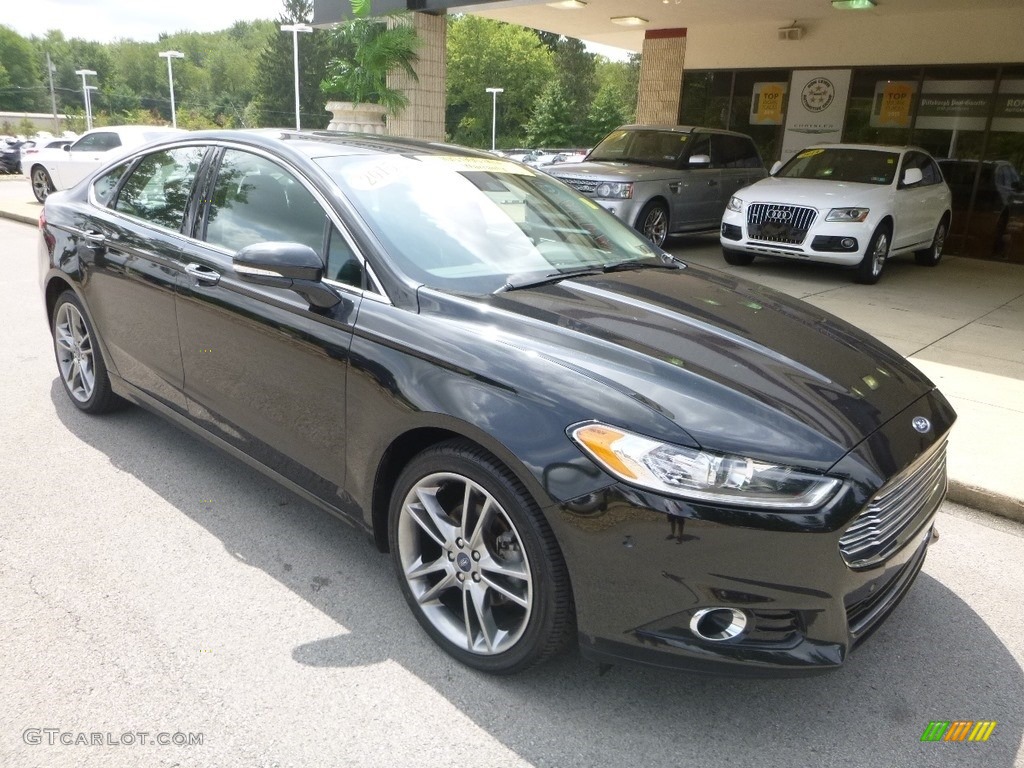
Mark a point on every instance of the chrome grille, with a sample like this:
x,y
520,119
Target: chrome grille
x,y
586,186
776,223
878,531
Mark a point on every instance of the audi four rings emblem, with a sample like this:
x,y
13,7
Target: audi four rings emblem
x,y
777,214
921,424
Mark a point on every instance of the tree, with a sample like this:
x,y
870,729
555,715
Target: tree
x,y
552,122
607,112
482,54
275,74
576,71
24,90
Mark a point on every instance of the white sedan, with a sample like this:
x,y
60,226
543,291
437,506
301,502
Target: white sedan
x,y
94,148
848,204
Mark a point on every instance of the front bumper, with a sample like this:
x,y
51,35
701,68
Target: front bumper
x,y
643,565
823,241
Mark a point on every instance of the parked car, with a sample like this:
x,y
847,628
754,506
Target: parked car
x,y
10,155
666,180
90,151
849,204
39,149
999,196
512,391
569,157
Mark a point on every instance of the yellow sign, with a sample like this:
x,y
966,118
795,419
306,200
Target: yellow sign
x,y
767,103
894,102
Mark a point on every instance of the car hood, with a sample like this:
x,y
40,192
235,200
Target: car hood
x,y
738,367
614,171
815,193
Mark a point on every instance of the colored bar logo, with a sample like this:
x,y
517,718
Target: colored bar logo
x,y
958,730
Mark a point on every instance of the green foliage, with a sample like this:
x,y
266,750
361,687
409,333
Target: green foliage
x,y
607,112
23,91
552,122
483,54
367,49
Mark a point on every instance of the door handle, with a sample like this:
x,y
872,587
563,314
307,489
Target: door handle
x,y
94,238
675,185
203,274
713,183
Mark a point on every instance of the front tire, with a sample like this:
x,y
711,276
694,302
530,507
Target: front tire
x,y
83,372
652,223
870,267
477,562
737,258
42,184
930,256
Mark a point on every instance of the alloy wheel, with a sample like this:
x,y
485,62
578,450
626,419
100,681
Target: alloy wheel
x,y
75,353
879,254
40,184
465,564
655,226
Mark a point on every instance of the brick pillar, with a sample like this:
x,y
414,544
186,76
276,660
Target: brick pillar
x,y
661,77
424,117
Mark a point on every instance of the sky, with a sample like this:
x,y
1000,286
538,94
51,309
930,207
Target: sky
x,y
144,20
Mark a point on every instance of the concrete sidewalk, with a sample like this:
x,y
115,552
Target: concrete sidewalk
x,y
961,323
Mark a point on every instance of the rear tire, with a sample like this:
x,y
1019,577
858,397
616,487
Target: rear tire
x,y
870,267
737,258
477,562
652,223
930,256
42,184
83,372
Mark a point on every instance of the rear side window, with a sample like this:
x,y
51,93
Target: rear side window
x,y
157,191
733,152
255,200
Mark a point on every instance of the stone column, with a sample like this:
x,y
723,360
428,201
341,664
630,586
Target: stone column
x,y
424,117
661,77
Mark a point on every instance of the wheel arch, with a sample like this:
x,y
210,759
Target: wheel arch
x,y
55,286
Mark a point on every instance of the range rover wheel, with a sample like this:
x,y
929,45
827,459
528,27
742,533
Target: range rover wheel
x,y
652,223
477,562
737,258
930,256
79,360
42,184
870,267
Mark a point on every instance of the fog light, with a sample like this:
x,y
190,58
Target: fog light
x,y
848,242
718,624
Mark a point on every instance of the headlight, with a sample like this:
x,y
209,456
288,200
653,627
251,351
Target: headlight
x,y
735,204
702,475
621,190
848,214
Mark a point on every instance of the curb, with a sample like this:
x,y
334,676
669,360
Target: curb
x,y
19,217
985,500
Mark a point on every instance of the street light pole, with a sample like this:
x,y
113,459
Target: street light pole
x,y
170,81
494,113
295,29
85,93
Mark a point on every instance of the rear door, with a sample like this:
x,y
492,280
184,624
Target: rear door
x,y
134,251
739,162
263,370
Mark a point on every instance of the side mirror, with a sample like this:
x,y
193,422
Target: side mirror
x,y
775,167
912,176
700,160
285,265
67,147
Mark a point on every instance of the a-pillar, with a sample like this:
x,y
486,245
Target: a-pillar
x,y
424,117
661,77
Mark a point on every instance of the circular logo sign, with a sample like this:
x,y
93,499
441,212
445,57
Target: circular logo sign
x,y
818,94
463,561
778,214
921,424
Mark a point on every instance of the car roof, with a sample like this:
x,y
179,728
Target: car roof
x,y
872,147
677,129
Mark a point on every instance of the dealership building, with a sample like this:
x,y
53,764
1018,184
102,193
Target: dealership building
x,y
945,75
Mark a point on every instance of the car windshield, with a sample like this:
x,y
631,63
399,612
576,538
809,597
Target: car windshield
x,y
651,147
470,224
862,166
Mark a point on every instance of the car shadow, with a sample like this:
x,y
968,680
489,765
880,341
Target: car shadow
x,y
935,659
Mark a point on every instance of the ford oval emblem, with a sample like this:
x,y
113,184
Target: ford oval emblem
x,y
921,424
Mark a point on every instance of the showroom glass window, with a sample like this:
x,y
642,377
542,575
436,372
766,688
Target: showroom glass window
x,y
157,190
256,200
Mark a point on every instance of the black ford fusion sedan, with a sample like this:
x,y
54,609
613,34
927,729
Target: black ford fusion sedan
x,y
560,433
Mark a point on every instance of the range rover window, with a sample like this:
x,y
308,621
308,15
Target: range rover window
x,y
733,152
256,200
157,191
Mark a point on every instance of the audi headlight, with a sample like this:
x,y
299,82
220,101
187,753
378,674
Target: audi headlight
x,y
848,214
735,204
702,475
614,189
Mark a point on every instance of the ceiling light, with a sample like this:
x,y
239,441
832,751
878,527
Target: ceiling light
x,y
629,21
568,5
853,5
